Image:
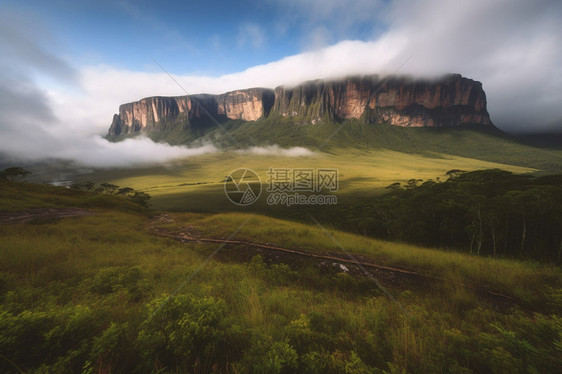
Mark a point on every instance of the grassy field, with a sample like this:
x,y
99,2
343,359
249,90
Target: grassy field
x,y
368,157
473,142
92,294
197,183
508,277
103,293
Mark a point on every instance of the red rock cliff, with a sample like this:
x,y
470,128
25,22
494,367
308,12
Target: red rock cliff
x,y
154,112
448,102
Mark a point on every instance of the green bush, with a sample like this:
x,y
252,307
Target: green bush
x,y
187,333
47,339
127,280
281,358
112,350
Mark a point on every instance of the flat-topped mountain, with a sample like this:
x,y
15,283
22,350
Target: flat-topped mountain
x,y
451,101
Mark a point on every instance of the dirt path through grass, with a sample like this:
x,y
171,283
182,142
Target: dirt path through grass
x,y
354,265
186,236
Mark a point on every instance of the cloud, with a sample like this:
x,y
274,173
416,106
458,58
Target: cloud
x,y
317,38
98,152
512,46
251,34
36,124
28,49
329,21
275,150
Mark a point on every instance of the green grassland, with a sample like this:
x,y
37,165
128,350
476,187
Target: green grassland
x,y
488,144
100,293
368,157
103,293
197,183
395,155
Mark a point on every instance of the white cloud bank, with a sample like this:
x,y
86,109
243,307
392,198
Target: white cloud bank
x,y
275,150
98,152
512,46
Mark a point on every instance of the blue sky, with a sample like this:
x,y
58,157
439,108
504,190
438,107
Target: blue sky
x,y
66,66
212,37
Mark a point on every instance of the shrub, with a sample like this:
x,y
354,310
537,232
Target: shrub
x,y
127,280
281,358
189,334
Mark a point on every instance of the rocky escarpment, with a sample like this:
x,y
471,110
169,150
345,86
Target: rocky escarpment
x,y
154,113
447,102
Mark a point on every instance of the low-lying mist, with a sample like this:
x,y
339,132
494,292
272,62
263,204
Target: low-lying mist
x,y
275,150
97,152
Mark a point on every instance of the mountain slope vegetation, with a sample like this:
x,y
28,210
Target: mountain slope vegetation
x,y
470,142
103,293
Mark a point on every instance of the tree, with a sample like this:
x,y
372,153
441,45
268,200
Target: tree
x,y
14,173
413,183
455,173
88,186
125,191
140,198
393,186
107,188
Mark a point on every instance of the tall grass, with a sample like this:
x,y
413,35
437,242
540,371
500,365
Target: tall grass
x,y
519,279
90,294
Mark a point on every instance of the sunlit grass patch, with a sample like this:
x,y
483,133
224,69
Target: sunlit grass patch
x,y
515,278
102,292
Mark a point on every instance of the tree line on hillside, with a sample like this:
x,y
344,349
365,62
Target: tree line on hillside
x,y
129,193
14,173
17,173
486,212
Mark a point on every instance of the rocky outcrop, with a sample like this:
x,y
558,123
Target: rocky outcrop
x,y
154,113
246,105
448,102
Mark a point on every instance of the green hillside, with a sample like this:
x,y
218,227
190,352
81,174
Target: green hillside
x,y
96,281
113,291
471,142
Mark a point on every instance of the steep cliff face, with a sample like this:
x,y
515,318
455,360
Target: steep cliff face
x,y
154,112
451,101
247,105
448,102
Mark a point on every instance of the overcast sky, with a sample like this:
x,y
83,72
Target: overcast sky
x,y
66,66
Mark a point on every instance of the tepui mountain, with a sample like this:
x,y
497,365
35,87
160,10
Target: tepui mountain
x,y
450,101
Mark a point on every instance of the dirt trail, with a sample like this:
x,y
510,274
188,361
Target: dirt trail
x,y
183,237
40,215
387,274
355,264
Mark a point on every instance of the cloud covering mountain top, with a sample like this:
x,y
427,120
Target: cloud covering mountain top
x,y
50,106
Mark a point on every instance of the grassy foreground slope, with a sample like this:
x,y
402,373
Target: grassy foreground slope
x,y
101,293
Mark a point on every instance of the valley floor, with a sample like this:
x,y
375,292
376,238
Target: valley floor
x,y
124,289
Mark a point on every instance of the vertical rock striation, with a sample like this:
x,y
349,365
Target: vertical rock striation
x,y
451,101
153,113
448,102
